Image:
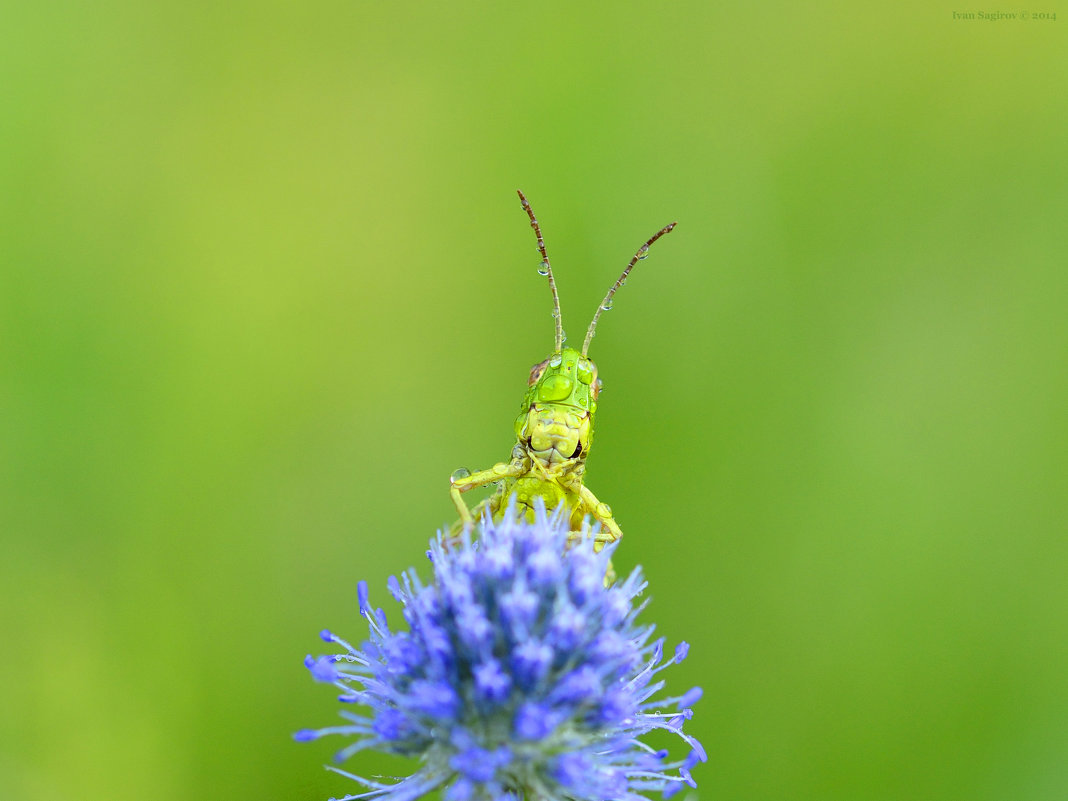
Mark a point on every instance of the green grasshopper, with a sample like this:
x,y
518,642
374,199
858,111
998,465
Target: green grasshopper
x,y
554,429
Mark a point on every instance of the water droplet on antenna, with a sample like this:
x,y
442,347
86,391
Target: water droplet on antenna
x,y
543,268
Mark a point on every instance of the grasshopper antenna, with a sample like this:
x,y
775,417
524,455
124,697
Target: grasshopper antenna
x,y
546,269
606,304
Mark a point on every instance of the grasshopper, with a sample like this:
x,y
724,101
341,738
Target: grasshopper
x,y
554,429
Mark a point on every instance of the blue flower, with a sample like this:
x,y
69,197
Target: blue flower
x,y
520,676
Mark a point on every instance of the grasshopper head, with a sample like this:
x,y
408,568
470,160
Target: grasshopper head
x,y
567,382
564,379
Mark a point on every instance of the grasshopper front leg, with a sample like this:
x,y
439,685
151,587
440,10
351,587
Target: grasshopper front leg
x,y
610,531
458,486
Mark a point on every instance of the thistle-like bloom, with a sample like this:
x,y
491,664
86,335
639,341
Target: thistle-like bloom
x,y
520,677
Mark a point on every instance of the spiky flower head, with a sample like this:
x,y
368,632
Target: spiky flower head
x,y
521,676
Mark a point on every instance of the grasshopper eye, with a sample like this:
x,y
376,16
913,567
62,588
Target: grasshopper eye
x,y
595,390
536,372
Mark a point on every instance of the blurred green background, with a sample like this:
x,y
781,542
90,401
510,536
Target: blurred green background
x,y
264,284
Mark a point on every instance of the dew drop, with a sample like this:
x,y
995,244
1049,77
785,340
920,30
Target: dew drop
x,y
563,336
607,305
555,360
644,252
459,473
543,268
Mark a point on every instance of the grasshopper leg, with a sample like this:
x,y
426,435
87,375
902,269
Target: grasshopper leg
x,y
458,486
610,531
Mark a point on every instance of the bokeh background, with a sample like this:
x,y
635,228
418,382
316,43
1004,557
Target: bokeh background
x,y
264,284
